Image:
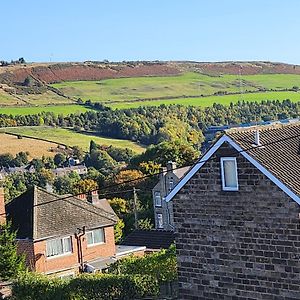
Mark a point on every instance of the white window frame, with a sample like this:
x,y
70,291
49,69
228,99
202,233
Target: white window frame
x,y
157,195
171,184
224,187
162,221
64,252
92,232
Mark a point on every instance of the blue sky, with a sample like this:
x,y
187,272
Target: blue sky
x,y
211,30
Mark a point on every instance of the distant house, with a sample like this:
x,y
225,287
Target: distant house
x,y
236,214
163,211
63,236
15,170
79,169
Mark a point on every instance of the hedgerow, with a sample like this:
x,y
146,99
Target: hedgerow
x,y
33,286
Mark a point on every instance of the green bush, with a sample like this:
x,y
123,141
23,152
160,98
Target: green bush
x,y
161,265
85,287
32,286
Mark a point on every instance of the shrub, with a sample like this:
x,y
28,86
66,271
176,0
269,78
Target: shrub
x,y
161,265
31,286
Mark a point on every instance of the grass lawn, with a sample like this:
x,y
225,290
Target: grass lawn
x,y
57,109
123,89
71,138
208,101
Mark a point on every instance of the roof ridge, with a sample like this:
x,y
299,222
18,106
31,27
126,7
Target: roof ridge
x,y
261,127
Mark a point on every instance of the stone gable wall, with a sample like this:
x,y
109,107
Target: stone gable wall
x,y
236,245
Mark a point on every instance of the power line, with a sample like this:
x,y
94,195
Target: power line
x,y
162,172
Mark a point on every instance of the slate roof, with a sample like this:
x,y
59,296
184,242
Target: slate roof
x,y
282,158
181,171
152,239
38,214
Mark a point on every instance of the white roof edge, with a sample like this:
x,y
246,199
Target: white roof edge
x,y
212,150
195,168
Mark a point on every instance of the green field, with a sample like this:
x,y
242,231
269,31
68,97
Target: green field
x,y
47,98
140,91
193,84
208,101
57,109
71,138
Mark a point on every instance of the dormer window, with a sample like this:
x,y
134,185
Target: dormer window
x,y
229,174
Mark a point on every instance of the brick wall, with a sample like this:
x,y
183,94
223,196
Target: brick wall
x,y
236,245
25,247
70,261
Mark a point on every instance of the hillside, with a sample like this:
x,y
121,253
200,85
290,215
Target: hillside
x,y
134,84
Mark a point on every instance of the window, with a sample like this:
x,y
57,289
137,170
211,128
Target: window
x,y
229,174
95,237
171,184
59,246
160,223
157,198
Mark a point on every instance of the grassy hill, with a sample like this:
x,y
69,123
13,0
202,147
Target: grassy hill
x,y
134,84
188,84
70,138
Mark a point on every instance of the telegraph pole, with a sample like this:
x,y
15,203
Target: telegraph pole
x,y
135,208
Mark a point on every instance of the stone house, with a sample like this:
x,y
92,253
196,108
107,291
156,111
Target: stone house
x,y
79,169
62,236
163,211
236,214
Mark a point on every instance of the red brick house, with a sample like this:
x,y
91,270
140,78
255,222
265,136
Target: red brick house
x,y
236,214
59,236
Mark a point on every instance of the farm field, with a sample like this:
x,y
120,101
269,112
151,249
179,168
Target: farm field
x,y
56,109
192,84
208,101
71,138
47,98
11,144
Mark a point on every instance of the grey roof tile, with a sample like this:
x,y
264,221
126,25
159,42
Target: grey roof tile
x,y
280,155
38,214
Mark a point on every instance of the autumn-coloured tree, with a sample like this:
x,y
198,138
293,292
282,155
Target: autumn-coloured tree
x,y
129,178
84,186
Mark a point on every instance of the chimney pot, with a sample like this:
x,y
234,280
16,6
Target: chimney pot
x,y
257,138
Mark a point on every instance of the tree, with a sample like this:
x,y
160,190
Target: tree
x,y
21,60
118,230
59,159
11,264
78,152
145,224
85,185
119,205
21,159
93,146
182,153
100,160
133,176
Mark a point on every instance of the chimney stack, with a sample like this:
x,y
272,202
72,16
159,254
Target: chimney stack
x,y
2,206
171,166
93,197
